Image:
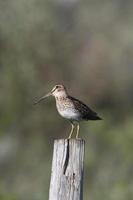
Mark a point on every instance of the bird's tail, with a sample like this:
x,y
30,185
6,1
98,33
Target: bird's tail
x,y
94,117
97,118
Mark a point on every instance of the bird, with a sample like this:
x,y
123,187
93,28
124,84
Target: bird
x,y
70,108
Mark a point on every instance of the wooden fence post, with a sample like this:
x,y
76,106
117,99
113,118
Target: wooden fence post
x,y
67,170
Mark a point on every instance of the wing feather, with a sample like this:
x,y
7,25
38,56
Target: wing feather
x,y
87,113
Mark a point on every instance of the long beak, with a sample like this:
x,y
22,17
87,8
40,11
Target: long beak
x,y
42,98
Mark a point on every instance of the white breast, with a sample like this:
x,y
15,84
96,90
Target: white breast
x,y
69,114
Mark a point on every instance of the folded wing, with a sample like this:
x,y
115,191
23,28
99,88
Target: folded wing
x,y
86,112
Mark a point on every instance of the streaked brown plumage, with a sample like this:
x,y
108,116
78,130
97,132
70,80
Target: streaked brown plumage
x,y
71,108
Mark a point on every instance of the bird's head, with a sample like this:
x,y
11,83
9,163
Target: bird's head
x,y
57,91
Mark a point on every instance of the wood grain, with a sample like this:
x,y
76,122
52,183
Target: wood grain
x,y
67,170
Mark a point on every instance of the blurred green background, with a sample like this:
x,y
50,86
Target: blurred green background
x,y
88,46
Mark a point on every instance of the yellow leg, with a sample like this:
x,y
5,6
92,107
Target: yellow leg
x,y
70,135
77,131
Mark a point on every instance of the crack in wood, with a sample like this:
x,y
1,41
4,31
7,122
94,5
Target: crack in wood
x,y
67,158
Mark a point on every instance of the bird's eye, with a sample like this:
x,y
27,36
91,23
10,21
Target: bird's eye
x,y
57,86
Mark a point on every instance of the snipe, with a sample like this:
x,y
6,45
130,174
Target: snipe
x,y
70,107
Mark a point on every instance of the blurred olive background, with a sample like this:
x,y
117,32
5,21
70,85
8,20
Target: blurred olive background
x,y
88,46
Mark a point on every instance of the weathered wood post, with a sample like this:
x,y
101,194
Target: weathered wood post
x,y
67,170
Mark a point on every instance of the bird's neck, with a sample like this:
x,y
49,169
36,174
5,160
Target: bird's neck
x,y
61,95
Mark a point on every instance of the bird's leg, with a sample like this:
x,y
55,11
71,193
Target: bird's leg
x,y
70,135
77,131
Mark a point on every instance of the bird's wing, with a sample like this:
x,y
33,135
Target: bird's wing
x,y
86,112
